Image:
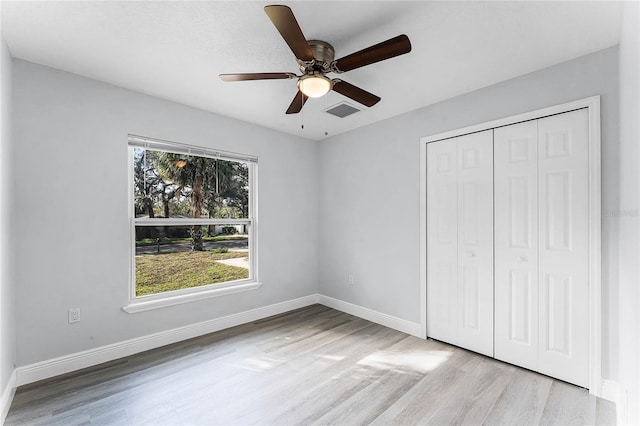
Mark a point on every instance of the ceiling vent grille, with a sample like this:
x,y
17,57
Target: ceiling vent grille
x,y
342,110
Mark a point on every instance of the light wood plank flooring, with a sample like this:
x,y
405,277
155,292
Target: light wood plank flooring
x,y
310,366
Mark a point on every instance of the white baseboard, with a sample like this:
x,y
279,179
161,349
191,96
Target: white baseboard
x,y
76,361
7,397
65,364
396,323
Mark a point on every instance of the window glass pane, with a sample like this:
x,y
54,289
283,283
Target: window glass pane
x,y
177,185
170,258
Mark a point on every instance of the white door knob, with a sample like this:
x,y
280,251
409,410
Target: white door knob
x,y
522,259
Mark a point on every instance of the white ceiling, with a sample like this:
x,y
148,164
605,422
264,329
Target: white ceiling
x,y
175,50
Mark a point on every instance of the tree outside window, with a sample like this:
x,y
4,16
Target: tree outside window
x,y
191,218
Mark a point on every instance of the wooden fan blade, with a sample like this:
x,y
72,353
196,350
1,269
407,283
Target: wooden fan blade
x,y
286,24
297,103
355,93
379,52
257,76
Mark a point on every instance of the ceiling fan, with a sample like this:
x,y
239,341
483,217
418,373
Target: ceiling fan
x,y
316,59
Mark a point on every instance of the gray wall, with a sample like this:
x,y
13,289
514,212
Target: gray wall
x,y
71,217
7,337
369,183
629,229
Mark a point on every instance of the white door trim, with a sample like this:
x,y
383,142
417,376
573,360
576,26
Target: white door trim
x,y
595,232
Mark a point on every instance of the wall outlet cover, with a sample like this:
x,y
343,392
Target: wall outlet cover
x,y
74,315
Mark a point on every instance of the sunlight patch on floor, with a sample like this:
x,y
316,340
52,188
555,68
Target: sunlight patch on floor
x,y
415,361
332,357
258,364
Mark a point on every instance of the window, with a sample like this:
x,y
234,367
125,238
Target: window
x,y
193,222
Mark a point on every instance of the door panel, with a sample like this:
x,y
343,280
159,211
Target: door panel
x,y
564,246
559,294
516,244
447,228
558,211
519,307
468,213
446,283
475,242
442,240
469,297
519,196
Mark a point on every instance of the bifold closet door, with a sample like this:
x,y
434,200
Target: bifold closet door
x,y
542,245
475,242
563,182
460,241
442,240
516,244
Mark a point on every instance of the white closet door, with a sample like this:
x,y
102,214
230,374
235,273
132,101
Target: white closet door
x,y
442,240
516,244
563,183
475,242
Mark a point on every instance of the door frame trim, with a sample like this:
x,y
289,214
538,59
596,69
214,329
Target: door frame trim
x,y
595,219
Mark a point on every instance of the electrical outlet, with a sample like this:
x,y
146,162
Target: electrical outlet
x,y
74,315
350,279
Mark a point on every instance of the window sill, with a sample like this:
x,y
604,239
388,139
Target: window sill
x,y
147,305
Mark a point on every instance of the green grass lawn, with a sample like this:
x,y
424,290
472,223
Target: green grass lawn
x,y
157,273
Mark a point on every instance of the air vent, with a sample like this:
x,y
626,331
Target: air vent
x,y
342,110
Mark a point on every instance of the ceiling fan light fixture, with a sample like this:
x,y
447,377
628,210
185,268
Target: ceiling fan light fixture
x,y
314,86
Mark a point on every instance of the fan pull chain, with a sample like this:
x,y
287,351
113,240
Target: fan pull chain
x,y
302,110
326,106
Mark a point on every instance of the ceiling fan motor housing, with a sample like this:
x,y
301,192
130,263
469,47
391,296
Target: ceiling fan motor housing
x,y
324,55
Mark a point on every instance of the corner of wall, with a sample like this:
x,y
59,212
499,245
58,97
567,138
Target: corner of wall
x,y
7,286
7,397
629,294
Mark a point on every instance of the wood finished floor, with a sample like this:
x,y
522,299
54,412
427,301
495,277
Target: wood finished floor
x,y
310,366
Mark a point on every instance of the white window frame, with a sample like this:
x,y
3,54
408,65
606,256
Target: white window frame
x,y
175,297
